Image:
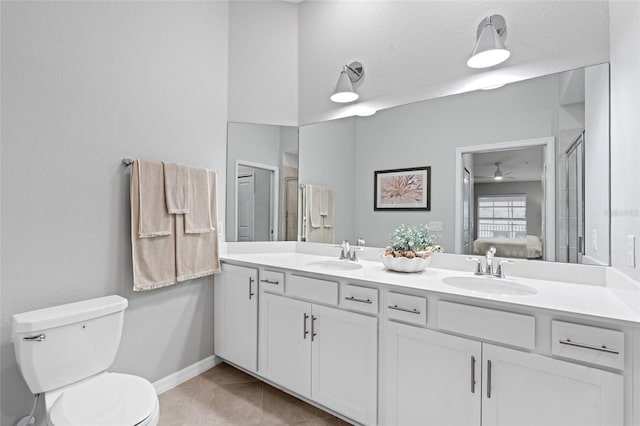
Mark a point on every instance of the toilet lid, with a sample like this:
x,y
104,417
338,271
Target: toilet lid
x,y
107,400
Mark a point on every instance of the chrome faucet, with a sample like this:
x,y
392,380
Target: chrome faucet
x,y
348,252
488,268
345,253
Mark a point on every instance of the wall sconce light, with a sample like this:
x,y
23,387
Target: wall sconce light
x,y
489,49
344,89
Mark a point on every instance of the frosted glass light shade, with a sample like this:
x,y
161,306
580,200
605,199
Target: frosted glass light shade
x,y
489,50
344,90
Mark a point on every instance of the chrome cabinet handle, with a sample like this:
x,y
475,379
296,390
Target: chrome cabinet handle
x,y
473,374
38,338
602,348
313,327
398,308
304,328
270,282
355,299
251,293
488,378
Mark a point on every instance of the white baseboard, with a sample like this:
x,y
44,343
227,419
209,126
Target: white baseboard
x,y
181,376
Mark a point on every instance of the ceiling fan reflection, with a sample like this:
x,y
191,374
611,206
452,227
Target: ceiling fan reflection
x,y
498,175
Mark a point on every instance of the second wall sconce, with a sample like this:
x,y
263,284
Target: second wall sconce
x,y
344,89
489,49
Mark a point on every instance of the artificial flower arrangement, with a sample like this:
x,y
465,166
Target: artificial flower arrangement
x,y
410,249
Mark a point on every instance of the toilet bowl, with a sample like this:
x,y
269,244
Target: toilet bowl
x,y
64,351
105,399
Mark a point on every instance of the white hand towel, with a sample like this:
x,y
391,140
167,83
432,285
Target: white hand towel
x,y
154,220
327,201
315,202
153,258
176,187
198,220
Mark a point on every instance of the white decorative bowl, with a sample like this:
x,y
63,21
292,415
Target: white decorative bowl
x,y
404,264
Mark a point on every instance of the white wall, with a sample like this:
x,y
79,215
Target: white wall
x,y
427,134
327,158
596,157
263,62
85,84
415,50
625,130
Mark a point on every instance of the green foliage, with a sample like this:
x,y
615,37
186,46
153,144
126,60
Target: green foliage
x,y
413,239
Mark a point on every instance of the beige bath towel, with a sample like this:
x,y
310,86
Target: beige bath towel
x,y
197,254
153,258
198,220
315,205
154,220
176,187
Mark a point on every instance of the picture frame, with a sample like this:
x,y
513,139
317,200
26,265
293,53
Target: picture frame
x,y
402,189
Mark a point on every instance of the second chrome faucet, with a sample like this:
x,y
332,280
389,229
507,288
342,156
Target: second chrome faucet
x,y
349,252
489,265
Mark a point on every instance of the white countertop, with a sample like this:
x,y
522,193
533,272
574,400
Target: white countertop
x,y
614,299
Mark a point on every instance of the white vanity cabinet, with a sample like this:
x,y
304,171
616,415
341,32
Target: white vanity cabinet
x,y
436,378
236,315
521,388
395,354
431,378
323,353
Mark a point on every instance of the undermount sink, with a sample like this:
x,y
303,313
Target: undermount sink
x,y
490,285
335,265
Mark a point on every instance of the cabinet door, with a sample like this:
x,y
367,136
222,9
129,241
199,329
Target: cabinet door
x,y
285,342
527,389
236,316
345,363
431,378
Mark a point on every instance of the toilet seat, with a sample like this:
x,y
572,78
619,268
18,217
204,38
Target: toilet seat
x,y
109,399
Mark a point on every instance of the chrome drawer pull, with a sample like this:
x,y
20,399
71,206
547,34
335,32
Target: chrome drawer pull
x,y
270,282
489,378
313,327
251,293
305,317
398,308
473,374
602,348
38,338
355,299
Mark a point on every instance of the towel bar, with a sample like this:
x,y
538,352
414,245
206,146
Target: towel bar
x,y
127,162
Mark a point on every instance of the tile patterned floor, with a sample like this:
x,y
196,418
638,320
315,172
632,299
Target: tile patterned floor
x,y
226,396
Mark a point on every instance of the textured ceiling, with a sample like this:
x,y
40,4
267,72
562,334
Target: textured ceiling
x,y
414,50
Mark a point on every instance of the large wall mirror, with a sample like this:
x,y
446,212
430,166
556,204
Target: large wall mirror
x,y
524,167
262,182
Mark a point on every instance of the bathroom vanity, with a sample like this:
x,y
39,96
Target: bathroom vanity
x,y
551,344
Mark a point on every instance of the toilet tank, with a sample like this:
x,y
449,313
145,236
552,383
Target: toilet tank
x,y
63,344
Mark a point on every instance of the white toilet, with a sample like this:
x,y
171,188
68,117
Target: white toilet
x,y
64,351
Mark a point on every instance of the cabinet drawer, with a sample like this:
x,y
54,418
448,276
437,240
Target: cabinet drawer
x,y
272,280
490,324
590,344
313,289
358,298
405,307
